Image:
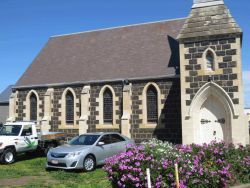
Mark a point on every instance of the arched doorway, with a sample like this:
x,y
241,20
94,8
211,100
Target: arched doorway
x,y
211,114
213,121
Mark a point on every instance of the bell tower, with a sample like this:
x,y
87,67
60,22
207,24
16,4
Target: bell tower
x,y
211,73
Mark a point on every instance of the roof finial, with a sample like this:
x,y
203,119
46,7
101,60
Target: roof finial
x,y
205,3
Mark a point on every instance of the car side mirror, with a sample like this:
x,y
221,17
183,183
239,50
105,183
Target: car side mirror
x,y
100,143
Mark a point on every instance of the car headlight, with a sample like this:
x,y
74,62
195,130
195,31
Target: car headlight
x,y
49,152
74,154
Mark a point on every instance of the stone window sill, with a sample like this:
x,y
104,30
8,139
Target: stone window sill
x,y
71,126
152,126
148,126
206,72
107,126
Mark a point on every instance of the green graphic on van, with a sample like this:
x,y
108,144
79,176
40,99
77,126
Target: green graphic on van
x,y
29,143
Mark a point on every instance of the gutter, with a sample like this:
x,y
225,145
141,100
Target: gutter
x,y
95,82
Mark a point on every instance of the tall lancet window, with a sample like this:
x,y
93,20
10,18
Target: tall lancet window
x,y
33,107
210,60
69,108
107,106
152,106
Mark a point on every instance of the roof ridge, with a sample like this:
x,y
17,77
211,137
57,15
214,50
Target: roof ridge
x,y
117,27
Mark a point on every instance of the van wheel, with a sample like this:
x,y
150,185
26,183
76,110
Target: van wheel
x,y
89,163
8,156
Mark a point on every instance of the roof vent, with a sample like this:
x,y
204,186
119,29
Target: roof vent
x,y
206,3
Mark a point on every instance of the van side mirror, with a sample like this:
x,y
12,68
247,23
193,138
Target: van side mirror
x,y
100,143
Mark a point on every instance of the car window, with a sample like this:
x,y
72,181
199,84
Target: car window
x,y
10,130
84,140
27,130
114,138
105,139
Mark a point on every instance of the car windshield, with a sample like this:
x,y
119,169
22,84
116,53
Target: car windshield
x,y
84,140
10,130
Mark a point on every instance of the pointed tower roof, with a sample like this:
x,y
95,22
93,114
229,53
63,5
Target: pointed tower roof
x,y
207,18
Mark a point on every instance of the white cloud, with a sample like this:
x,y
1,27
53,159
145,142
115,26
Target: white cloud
x,y
246,81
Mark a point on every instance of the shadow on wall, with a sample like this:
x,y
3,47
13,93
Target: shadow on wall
x,y
174,60
170,117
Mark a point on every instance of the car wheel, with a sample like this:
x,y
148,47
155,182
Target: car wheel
x,y
89,163
8,156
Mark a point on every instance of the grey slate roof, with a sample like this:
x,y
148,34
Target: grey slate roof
x,y
5,95
136,51
207,21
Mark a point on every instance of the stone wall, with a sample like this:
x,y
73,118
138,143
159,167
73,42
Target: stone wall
x,y
21,106
226,73
170,114
94,94
225,79
55,119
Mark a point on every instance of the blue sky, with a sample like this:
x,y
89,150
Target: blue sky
x,y
26,25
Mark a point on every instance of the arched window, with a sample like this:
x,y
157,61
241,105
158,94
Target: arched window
x,y
107,106
209,60
33,107
152,105
69,108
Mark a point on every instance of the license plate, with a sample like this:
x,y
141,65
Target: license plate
x,y
54,162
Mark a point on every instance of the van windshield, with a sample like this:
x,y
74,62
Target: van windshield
x,y
10,130
84,140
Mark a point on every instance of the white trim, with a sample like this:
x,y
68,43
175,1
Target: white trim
x,y
145,123
101,124
64,125
211,88
27,104
85,110
204,63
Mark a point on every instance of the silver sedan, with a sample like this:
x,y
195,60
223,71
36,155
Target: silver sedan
x,y
87,151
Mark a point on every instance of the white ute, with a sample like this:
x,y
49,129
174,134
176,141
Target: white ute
x,y
22,137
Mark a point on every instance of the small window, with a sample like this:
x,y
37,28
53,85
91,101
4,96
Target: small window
x,y
107,106
152,105
33,107
209,60
69,108
116,138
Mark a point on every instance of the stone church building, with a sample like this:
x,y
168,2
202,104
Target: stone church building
x,y
178,80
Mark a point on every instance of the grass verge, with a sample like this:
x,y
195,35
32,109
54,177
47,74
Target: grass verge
x,y
30,173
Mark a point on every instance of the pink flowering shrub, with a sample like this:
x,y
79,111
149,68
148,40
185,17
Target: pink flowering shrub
x,y
213,165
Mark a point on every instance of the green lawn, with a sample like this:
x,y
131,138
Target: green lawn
x,y
31,173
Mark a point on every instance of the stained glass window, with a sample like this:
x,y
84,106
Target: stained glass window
x,y
152,105
33,107
210,60
69,108
107,106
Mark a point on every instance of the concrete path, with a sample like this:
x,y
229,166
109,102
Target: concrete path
x,y
242,186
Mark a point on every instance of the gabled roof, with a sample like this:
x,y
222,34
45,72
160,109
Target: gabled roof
x,y
207,20
5,95
136,51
